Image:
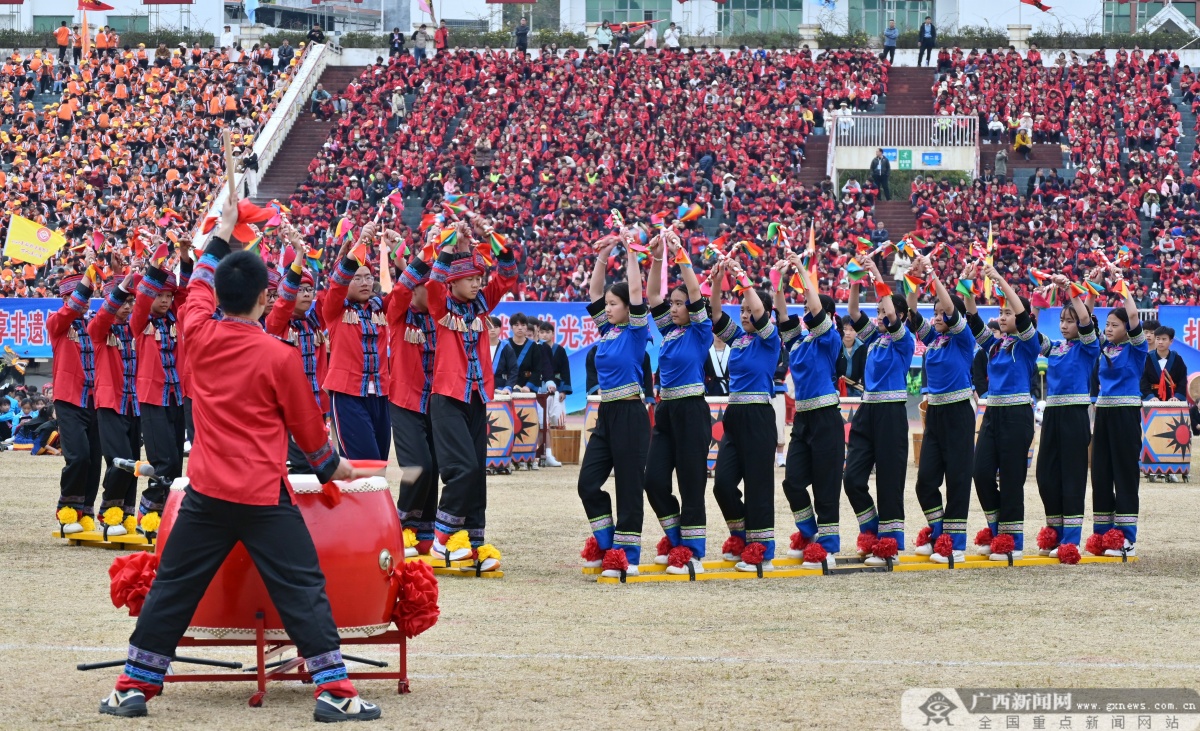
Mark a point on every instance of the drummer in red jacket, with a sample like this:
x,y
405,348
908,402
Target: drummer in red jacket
x,y
462,386
117,410
74,402
413,335
238,488
358,365
160,393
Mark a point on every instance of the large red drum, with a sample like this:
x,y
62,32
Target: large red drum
x,y
357,540
501,433
525,424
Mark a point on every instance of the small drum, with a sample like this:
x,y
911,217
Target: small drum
x,y
980,408
716,417
1166,438
590,414
525,426
357,542
500,432
849,406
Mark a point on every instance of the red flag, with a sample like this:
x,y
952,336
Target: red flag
x,y
94,5
360,253
1038,4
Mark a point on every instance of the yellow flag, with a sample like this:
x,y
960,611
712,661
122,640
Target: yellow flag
x,y
29,241
987,283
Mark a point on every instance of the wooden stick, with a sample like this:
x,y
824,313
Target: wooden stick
x,y
230,166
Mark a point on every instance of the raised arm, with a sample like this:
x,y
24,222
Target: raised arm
x,y
603,246
1130,305
886,306
633,273
852,304
1081,311
812,298
654,293
685,270
1014,302
716,279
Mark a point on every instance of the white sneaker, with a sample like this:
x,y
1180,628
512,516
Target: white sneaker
x,y
794,553
410,552
780,460
613,574
751,568
661,559
984,550
830,561
731,557
1129,551
696,566
925,550
1016,556
438,551
959,557
1052,553
489,564
593,564
187,447
876,561
119,530
551,461
1174,478
534,465
1047,552
70,528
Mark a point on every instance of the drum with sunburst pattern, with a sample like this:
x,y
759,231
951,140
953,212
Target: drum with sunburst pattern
x,y
500,433
525,426
1166,438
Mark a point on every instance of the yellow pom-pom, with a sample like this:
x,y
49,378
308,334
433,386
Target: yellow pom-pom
x,y
67,515
487,551
130,525
113,516
410,538
88,522
457,541
150,522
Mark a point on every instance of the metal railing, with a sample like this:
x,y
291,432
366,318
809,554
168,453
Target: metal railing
x,y
873,130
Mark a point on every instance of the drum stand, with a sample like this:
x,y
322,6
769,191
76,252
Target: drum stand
x,y
267,669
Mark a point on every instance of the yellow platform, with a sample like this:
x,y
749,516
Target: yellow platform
x,y
95,539
845,567
466,572
437,562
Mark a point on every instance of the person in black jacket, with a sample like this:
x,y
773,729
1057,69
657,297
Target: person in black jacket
x,y
716,369
504,361
1165,375
852,361
556,387
533,367
927,37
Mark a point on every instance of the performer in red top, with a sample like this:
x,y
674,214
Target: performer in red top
x,y
117,410
74,402
462,384
413,333
160,393
238,488
358,366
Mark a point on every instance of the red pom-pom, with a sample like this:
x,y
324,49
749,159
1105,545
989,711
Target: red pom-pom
x,y
1095,544
1068,553
733,545
886,548
924,536
1047,538
615,560
664,546
984,537
591,550
416,608
815,553
866,542
1114,540
130,578
754,553
944,545
799,542
679,556
1003,543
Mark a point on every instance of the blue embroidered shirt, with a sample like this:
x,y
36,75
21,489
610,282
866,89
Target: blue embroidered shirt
x,y
948,357
683,351
1120,370
1012,360
889,357
620,352
1069,367
813,359
752,358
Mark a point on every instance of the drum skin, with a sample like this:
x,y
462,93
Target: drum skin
x,y
716,418
1166,438
501,432
525,423
350,538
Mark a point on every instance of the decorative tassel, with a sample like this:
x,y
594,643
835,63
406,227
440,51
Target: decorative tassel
x,y
415,336
72,335
378,319
350,317
149,329
113,342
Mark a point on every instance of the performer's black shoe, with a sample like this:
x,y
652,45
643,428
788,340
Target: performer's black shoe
x,y
331,709
126,703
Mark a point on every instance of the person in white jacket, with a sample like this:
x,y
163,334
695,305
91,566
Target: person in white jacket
x,y
649,39
671,37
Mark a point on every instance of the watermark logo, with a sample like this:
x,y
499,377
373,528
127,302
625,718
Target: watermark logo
x,y
937,709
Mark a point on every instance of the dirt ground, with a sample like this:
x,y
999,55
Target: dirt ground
x,y
547,647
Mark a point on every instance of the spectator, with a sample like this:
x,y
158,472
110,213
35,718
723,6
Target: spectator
x,y
286,53
671,38
891,34
420,39
441,37
604,36
851,362
927,37
1165,375
881,169
649,39
716,369
395,43
321,103
521,34
316,35
1001,166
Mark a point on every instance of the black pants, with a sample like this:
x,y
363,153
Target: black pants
x,y
163,431
618,446
413,435
1062,468
460,436
816,456
889,54
79,436
1003,447
925,53
279,543
1118,442
120,436
189,424
884,186
679,443
747,455
947,453
879,439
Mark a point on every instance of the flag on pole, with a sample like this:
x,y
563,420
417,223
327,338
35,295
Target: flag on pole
x,y
85,38
94,5
1038,4
31,242
987,283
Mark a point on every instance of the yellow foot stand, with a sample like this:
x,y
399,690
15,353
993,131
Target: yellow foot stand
x,y
95,539
789,568
437,562
467,571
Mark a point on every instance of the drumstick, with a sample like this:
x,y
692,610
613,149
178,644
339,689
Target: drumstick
x,y
229,163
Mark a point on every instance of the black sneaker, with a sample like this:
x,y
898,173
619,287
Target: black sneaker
x,y
125,703
331,709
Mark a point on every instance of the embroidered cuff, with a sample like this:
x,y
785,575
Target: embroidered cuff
x,y
789,329
1087,333
415,275
819,325
877,397
817,402
152,284
1025,326
1137,336
1069,399
289,288
763,326
185,273
864,327
596,310
80,298
639,316
441,267
662,315
323,461
206,269
956,323
343,272
115,299
726,328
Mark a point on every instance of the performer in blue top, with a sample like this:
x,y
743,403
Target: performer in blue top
x,y
682,431
747,451
1118,431
1062,463
817,449
948,447
619,442
1007,429
879,429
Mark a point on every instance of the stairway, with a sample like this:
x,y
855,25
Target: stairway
x,y
896,216
304,141
910,90
816,157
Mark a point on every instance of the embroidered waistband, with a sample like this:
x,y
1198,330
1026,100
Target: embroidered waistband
x,y
1069,399
818,402
750,398
875,397
1107,401
1008,399
621,392
669,393
949,397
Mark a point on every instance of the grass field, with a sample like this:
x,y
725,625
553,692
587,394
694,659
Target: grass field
x,y
547,647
